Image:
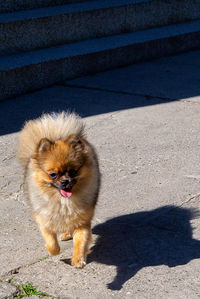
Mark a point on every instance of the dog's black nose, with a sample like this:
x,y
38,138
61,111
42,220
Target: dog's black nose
x,y
64,183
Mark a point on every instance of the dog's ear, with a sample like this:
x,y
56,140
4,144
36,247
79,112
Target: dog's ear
x,y
77,143
43,145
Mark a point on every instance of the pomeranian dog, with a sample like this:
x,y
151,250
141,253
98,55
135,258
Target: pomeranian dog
x,y
61,180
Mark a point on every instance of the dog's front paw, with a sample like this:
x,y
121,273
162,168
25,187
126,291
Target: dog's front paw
x,y
78,262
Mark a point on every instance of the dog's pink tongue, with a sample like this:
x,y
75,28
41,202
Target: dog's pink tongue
x,y
65,193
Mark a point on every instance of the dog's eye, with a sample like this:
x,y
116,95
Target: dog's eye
x,y
53,175
72,173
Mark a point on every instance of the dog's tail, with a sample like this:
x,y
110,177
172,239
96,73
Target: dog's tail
x,y
53,126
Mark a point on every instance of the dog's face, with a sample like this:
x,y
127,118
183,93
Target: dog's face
x,y
63,165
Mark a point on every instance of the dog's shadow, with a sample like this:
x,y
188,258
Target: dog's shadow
x,y
131,242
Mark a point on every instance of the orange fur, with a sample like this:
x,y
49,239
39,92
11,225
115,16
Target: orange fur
x,y
65,237
71,159
82,239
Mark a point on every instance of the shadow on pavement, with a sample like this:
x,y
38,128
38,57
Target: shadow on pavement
x,y
156,82
158,237
14,112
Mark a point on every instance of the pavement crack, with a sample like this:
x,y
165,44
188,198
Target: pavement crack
x,y
26,289
147,96
189,200
9,279
5,185
8,158
97,89
8,276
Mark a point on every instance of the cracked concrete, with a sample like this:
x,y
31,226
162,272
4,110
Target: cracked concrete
x,y
163,78
7,290
144,122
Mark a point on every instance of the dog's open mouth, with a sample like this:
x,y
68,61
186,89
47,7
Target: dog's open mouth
x,y
66,192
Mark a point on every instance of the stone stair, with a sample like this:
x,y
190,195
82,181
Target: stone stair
x,y
41,46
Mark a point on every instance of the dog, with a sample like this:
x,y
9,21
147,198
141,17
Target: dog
x,y
61,180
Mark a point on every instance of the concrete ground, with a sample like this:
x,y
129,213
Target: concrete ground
x,y
145,123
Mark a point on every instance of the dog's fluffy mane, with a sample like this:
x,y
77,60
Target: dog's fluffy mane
x,y
53,126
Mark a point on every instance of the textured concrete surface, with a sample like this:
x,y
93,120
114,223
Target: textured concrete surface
x,y
146,226
168,78
11,6
25,72
47,27
6,290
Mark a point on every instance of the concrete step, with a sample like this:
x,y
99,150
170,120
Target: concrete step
x,y
12,5
41,28
21,73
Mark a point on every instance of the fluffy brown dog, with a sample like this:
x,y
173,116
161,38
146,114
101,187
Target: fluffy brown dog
x,y
61,180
